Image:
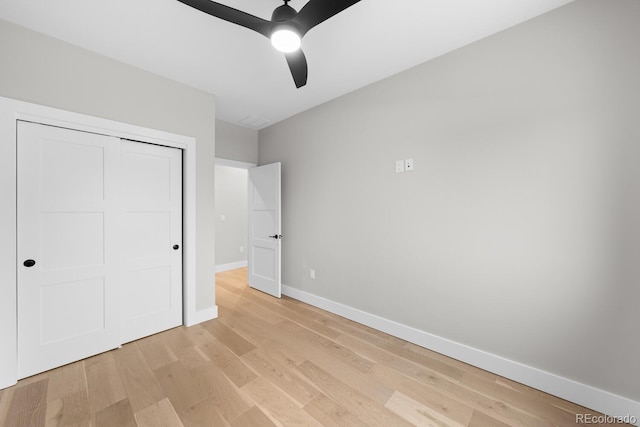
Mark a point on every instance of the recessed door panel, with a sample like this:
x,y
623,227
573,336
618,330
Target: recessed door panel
x,y
87,317
81,234
148,235
264,263
148,292
264,224
147,177
84,180
264,194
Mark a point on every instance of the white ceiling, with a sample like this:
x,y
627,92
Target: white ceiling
x,y
367,42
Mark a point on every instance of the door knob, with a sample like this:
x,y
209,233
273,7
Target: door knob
x,y
276,236
29,263
176,247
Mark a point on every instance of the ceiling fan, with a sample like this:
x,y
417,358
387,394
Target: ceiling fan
x,y
286,28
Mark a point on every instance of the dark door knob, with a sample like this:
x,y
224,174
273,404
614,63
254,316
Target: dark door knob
x,y
29,263
176,247
276,236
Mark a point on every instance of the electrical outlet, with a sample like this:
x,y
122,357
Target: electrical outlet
x,y
408,165
399,166
312,274
241,249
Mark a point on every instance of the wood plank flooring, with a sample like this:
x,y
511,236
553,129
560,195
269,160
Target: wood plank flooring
x,y
267,362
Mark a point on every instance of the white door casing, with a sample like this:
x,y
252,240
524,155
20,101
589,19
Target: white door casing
x,y
151,239
67,199
264,229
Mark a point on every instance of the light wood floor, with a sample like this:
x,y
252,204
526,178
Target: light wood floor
x,y
267,362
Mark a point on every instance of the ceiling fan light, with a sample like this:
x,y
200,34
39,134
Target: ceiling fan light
x,y
286,40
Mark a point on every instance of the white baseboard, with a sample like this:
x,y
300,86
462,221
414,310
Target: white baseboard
x,y
231,266
204,315
582,394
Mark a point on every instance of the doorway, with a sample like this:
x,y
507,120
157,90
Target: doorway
x,y
254,195
231,214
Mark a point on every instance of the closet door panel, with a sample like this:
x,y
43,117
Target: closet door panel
x,y
68,277
152,239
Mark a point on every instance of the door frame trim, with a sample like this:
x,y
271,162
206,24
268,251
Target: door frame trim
x,y
12,111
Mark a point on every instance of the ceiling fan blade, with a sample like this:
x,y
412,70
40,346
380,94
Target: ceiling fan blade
x,y
317,11
298,66
232,15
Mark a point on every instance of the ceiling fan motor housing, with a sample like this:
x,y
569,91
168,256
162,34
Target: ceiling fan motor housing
x,y
283,13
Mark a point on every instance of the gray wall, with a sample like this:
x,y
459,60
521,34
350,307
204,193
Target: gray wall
x,y
235,142
42,70
518,233
231,201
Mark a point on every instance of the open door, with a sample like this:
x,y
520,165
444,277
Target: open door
x,y
264,229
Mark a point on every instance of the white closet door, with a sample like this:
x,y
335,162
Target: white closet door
x,y
99,244
67,260
151,239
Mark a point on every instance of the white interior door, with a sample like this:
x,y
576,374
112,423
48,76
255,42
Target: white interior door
x,y
151,239
67,261
264,229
